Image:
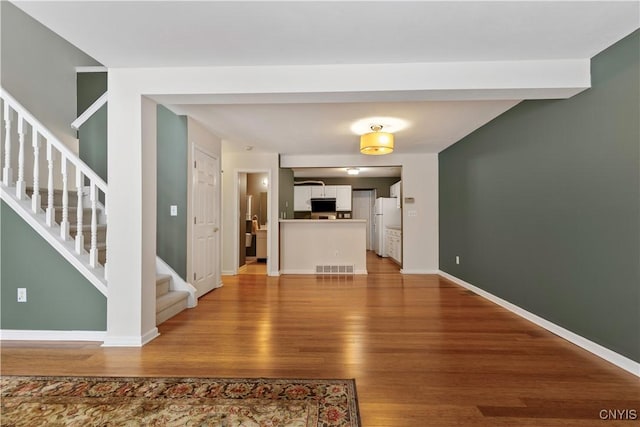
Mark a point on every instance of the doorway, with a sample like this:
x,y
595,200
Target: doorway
x,y
253,193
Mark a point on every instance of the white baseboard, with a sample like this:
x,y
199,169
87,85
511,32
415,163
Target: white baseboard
x,y
30,335
418,271
592,347
131,341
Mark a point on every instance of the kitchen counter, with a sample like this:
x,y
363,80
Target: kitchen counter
x,y
306,244
394,227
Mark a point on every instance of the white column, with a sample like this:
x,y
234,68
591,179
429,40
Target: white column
x,y
50,212
20,183
93,251
35,197
7,172
79,234
132,214
64,223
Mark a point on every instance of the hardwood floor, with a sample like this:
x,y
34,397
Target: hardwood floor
x,y
423,351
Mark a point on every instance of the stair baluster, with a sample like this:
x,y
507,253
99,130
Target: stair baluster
x,y
50,212
79,233
35,197
93,252
7,172
64,224
20,184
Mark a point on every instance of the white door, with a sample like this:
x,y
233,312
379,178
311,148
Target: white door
x,y
206,223
362,207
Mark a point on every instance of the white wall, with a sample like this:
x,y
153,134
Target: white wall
x,y
232,165
420,182
38,69
198,136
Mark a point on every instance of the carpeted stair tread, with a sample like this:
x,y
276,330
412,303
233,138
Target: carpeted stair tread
x,y
169,299
162,284
87,227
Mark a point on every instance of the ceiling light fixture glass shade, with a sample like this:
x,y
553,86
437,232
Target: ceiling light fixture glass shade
x,y
353,171
376,142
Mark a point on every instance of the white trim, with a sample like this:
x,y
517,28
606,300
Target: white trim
x,y
65,248
418,271
177,283
592,347
35,335
97,104
91,69
131,341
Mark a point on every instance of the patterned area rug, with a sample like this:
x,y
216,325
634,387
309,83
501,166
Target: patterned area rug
x,y
94,401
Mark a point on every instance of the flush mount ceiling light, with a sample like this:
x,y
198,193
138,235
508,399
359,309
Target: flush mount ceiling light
x,y
376,142
353,171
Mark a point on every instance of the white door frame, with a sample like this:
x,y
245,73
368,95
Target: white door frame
x,y
236,217
191,177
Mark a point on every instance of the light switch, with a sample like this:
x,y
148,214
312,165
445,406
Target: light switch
x,y
174,210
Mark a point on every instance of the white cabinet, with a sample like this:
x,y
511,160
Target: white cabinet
x,y
261,244
302,198
393,244
317,191
343,198
302,195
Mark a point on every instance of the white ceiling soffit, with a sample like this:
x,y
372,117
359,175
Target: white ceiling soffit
x,y
212,33
444,67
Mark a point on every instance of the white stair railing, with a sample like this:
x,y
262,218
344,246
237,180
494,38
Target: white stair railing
x,y
58,183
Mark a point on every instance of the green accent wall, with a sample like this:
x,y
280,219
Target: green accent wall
x,y
171,244
58,296
543,205
93,133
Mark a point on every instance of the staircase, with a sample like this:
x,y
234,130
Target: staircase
x,y
74,221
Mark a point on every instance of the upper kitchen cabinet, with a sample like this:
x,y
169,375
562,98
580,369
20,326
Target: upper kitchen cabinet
x,y
302,195
318,191
302,198
343,198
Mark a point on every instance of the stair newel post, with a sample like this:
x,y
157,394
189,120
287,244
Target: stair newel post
x,y
93,252
35,197
50,212
64,224
79,233
21,187
7,172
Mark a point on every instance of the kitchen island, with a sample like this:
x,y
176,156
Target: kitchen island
x,y
323,246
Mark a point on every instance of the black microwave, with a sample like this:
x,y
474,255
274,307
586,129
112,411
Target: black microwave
x,y
327,204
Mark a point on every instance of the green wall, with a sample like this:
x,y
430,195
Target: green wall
x,y
58,296
543,205
93,133
172,190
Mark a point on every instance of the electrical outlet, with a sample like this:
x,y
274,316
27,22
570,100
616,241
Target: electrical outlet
x,y
174,210
22,294
457,259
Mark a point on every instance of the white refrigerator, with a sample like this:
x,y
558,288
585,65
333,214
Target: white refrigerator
x,y
386,213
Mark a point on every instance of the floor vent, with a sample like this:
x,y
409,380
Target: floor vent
x,y
334,269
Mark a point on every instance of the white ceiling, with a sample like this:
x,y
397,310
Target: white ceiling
x,y
239,33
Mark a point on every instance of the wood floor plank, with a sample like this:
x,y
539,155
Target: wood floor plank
x,y
423,351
